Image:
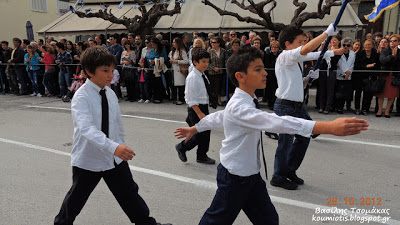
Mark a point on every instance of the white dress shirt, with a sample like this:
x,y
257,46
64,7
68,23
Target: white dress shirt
x,y
289,75
195,89
345,64
242,124
91,149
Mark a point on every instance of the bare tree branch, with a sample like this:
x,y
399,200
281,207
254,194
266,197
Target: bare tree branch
x,y
299,16
139,23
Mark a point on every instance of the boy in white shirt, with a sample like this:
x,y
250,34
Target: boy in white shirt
x,y
240,186
290,100
98,150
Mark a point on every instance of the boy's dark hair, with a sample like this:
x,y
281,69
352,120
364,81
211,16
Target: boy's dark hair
x,y
60,45
240,61
5,42
289,34
199,53
17,40
95,57
26,41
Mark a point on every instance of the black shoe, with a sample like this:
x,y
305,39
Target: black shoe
x,y
295,179
163,223
314,136
181,154
286,184
397,114
206,160
339,111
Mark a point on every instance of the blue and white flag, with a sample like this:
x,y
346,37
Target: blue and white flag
x,y
81,3
121,4
380,7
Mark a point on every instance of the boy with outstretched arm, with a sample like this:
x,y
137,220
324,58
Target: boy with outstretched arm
x,y
98,149
290,100
240,186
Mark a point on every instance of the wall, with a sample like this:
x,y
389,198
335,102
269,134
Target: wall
x,y
15,13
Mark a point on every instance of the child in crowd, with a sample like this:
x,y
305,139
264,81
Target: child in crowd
x,y
31,61
143,82
79,80
198,95
240,186
98,149
115,84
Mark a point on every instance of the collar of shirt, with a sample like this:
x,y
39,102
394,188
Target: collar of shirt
x,y
197,72
245,96
93,85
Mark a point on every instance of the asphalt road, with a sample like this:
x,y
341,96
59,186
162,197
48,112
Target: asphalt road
x,y
35,146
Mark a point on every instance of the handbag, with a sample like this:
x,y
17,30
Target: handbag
x,y
184,68
396,81
374,86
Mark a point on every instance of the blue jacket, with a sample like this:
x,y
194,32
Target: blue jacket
x,y
34,60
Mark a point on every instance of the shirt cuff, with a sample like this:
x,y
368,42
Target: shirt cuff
x,y
307,128
200,127
113,146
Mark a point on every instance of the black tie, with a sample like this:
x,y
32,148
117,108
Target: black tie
x,y
104,112
261,142
211,98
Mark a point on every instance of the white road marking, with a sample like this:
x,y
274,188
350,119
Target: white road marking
x,y
181,122
203,183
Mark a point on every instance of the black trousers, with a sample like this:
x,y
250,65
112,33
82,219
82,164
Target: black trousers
x,y
178,93
237,193
326,89
120,182
202,139
367,97
270,89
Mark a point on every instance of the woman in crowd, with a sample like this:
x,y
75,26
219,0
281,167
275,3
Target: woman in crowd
x,y
235,45
327,79
390,61
216,72
48,59
256,42
178,56
197,43
80,48
345,67
157,60
31,61
366,59
272,83
383,44
356,46
128,58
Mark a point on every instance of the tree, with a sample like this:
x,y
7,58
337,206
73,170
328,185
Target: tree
x,y
140,24
298,18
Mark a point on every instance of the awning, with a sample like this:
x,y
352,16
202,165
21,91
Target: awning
x,y
197,16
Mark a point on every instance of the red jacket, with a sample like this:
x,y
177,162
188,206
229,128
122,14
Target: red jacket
x,y
48,59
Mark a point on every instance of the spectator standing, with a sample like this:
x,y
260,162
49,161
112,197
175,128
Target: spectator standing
x,y
235,45
390,61
48,59
157,60
31,60
272,83
178,56
115,48
143,82
128,59
5,56
216,73
18,71
327,79
366,59
345,67
64,59
356,46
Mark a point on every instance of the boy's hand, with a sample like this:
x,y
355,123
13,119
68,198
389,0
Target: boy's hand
x,y
347,126
124,152
331,31
185,132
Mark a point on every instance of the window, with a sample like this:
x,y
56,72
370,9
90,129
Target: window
x,y
62,7
39,5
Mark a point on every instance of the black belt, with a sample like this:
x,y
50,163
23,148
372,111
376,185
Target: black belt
x,y
288,102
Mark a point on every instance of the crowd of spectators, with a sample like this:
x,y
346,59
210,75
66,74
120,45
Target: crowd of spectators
x,y
154,70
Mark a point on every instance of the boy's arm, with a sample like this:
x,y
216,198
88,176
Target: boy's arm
x,y
341,126
314,43
82,117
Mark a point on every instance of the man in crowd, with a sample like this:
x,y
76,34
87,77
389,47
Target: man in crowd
x,y
18,71
115,48
5,56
